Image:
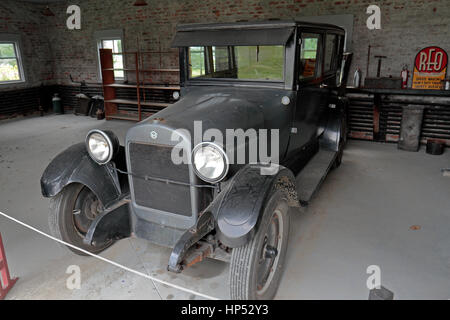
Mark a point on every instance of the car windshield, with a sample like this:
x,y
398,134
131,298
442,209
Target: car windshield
x,y
261,63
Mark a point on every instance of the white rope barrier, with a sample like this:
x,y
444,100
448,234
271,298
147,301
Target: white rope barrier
x,y
111,262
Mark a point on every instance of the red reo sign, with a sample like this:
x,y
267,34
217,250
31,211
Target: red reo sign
x,y
430,68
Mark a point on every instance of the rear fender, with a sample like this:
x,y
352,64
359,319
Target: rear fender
x,y
74,165
243,201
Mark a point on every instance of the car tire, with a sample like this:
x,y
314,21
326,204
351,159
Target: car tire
x,y
342,143
246,262
63,223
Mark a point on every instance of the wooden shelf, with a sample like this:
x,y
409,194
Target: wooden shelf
x,y
135,102
110,86
142,71
155,87
162,70
123,117
149,52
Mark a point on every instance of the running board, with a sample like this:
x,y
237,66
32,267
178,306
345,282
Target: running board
x,y
313,174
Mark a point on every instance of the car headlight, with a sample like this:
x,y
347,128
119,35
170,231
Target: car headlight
x,y
102,145
210,162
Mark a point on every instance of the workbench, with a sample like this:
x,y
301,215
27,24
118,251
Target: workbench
x,y
409,117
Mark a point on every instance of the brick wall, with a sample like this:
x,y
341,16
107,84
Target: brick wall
x,y
52,52
407,26
25,20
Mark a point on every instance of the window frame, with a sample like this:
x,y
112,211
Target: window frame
x,y
15,40
334,57
110,35
318,72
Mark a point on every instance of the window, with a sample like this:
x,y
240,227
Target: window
x,y
116,46
112,39
197,62
309,55
11,69
330,52
221,58
261,63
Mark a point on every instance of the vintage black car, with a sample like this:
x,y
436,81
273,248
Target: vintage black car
x,y
282,76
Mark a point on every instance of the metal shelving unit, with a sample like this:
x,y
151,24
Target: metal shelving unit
x,y
110,85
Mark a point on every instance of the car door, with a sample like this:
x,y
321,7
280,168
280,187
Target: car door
x,y
312,92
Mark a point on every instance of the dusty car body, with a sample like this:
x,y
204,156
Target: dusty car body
x,y
276,75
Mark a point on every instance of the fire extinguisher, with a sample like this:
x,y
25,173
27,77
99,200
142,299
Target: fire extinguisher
x,y
405,77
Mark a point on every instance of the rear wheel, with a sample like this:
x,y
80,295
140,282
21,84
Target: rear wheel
x,y
342,143
72,212
256,268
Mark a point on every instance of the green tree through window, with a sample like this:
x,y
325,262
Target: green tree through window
x,y
9,63
197,61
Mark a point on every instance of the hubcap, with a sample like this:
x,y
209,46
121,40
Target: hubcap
x,y
85,211
271,252
269,257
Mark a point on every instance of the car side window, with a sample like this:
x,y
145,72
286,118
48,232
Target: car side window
x,y
309,55
331,45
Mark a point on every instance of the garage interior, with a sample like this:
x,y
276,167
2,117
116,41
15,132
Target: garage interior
x,y
386,205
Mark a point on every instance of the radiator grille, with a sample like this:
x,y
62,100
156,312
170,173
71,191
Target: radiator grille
x,y
155,161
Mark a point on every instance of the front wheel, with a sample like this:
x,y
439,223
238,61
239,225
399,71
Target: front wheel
x,y
256,268
71,213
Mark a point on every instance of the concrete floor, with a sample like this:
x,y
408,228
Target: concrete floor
x,y
362,216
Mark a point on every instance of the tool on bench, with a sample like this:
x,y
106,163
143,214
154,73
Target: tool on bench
x,y
380,59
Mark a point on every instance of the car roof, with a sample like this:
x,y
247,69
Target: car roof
x,y
270,24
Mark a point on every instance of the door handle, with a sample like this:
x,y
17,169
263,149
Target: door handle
x,y
323,86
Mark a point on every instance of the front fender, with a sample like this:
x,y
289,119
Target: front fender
x,y
74,165
243,203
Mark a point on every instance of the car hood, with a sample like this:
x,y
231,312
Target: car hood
x,y
229,109
219,108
